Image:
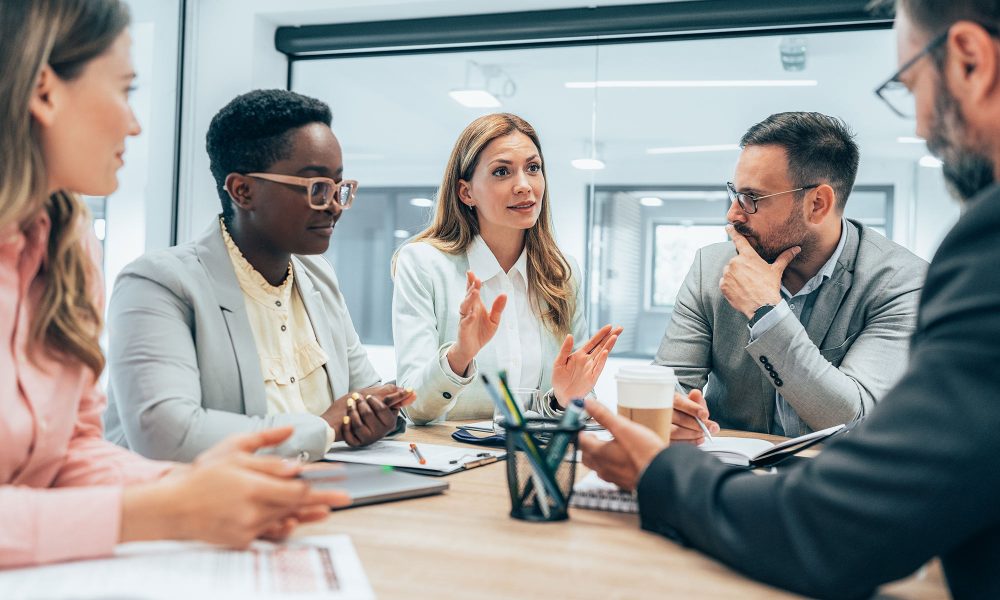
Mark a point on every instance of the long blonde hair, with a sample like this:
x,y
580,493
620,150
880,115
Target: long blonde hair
x,y
64,34
456,225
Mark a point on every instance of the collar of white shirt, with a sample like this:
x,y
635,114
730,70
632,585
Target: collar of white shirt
x,y
484,264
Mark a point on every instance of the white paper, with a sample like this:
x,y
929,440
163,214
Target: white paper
x,y
735,450
444,459
307,568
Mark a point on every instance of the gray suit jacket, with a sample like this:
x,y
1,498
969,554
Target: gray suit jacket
x,y
832,371
183,366
916,479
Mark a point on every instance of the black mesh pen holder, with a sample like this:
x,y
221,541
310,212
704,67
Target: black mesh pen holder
x,y
539,480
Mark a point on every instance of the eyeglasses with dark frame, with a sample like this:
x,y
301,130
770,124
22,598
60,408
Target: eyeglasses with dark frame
x,y
894,92
896,95
321,192
748,202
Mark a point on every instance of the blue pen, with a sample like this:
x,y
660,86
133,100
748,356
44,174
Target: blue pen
x,y
573,418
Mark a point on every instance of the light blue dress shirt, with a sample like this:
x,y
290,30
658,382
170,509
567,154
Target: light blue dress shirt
x,y
786,420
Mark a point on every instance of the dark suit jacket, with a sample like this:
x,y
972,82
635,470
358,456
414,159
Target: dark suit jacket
x,y
917,479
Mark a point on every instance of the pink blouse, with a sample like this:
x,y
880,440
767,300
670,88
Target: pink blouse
x,y
60,481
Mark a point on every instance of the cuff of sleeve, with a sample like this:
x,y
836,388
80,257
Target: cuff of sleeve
x,y
654,491
779,312
449,373
547,404
331,436
438,389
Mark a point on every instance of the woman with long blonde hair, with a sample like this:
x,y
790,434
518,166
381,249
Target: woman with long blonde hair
x,y
66,493
491,239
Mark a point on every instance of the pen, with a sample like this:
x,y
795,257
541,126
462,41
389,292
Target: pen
x,y
527,444
598,344
574,418
701,424
704,429
416,453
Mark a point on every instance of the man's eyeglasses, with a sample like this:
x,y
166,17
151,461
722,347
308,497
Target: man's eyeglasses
x,y
321,192
898,96
748,202
895,94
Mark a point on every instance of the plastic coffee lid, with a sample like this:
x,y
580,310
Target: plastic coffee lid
x,y
646,373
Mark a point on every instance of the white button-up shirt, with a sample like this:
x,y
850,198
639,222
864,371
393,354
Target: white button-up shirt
x,y
517,344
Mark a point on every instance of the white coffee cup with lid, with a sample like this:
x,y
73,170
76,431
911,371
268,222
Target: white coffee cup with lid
x,y
646,396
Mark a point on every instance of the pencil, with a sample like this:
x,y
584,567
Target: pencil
x,y
417,454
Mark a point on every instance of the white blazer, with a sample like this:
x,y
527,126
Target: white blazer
x,y
429,287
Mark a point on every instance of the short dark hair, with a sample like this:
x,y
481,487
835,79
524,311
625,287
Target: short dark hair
x,y
252,132
820,149
934,16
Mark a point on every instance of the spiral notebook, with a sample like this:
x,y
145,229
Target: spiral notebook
x,y
596,494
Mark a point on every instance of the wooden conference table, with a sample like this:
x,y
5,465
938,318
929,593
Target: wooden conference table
x,y
463,544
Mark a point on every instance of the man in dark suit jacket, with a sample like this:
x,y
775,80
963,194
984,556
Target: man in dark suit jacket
x,y
917,478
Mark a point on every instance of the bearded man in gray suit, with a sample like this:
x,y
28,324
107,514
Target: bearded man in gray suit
x,y
801,322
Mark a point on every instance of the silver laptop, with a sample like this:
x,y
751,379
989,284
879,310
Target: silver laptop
x,y
369,484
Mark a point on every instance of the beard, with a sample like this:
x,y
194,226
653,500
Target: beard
x,y
793,232
966,171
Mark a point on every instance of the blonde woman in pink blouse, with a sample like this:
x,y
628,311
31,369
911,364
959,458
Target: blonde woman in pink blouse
x,y
65,493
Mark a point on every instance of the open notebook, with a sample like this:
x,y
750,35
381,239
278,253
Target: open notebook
x,y
753,452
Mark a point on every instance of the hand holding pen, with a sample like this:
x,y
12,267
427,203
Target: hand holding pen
x,y
690,419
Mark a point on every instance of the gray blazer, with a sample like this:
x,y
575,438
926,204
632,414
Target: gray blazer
x,y
832,371
183,366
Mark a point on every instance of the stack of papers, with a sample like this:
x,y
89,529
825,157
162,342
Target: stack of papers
x,y
438,459
307,568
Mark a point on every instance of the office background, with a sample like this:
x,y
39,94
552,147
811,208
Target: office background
x,y
634,91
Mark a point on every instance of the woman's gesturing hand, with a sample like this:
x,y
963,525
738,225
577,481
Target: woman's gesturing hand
x,y
476,325
575,373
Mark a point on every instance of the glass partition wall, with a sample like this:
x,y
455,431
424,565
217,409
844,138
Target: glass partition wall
x,y
639,139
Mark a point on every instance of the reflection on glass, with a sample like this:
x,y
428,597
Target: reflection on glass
x,y
674,247
363,242
664,117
